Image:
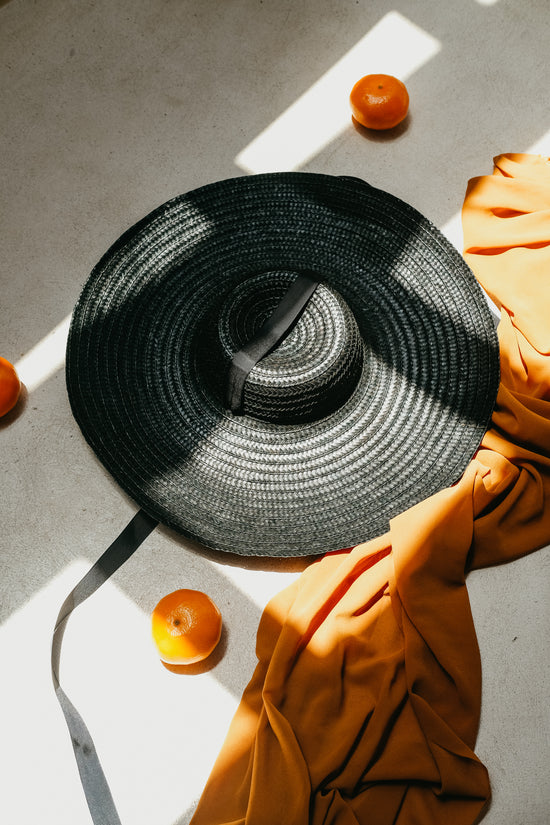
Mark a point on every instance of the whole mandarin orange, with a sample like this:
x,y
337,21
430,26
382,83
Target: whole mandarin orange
x,y
186,626
10,386
379,101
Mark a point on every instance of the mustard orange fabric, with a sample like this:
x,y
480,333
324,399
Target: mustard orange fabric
x,y
364,706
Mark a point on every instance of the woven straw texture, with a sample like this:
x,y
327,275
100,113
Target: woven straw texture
x,y
396,355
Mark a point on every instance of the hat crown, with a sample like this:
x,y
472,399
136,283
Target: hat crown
x,y
313,370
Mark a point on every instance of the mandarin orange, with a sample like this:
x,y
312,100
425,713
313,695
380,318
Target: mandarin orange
x,y
379,101
186,626
10,386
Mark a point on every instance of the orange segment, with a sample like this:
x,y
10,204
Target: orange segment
x,y
186,627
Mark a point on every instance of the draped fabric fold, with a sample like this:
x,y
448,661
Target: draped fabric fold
x,y
365,703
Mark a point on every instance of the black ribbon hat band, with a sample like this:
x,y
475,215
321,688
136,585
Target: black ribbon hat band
x,y
279,323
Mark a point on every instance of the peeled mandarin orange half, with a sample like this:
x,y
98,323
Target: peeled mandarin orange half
x,y
379,101
186,626
10,386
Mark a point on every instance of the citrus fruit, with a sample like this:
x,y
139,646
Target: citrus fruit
x,y
379,101
10,386
186,627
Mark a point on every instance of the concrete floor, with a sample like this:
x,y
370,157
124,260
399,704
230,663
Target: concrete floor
x,y
108,108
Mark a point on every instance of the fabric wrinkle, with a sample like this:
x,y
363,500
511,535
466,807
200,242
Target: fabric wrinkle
x,y
373,651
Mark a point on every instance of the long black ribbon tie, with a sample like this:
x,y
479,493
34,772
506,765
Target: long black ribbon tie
x,y
274,329
97,791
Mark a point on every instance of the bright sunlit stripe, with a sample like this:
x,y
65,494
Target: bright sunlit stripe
x,y
157,733
45,358
393,46
258,585
453,232
541,146
487,2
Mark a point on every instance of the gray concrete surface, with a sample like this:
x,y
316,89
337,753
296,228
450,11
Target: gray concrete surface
x,y
108,108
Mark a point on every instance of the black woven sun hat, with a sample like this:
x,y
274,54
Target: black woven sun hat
x,y
276,365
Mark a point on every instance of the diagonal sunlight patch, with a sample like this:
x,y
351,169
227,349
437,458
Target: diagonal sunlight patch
x,y
157,733
452,230
45,358
541,146
261,586
393,46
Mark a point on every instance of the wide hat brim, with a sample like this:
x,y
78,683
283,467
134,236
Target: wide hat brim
x,y
251,487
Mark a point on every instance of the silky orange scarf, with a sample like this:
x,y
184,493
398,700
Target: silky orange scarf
x,y
365,703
